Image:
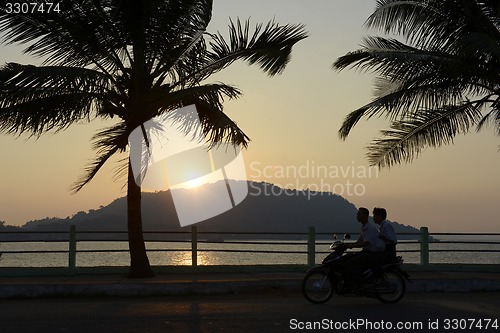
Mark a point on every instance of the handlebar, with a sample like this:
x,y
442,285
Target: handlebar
x,y
338,247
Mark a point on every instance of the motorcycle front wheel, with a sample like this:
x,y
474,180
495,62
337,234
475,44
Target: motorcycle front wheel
x,y
317,287
392,288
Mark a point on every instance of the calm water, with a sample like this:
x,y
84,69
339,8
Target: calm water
x,y
207,255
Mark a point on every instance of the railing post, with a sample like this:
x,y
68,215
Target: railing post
x,y
72,247
194,247
424,246
311,247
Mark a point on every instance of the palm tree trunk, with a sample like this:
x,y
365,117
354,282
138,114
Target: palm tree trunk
x,y
139,262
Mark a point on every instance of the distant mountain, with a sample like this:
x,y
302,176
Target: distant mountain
x,y
267,208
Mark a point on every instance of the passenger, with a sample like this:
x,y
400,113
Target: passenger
x,y
386,233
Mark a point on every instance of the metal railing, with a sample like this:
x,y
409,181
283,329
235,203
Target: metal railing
x,y
311,240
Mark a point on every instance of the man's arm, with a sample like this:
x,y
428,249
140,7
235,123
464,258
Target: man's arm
x,y
358,243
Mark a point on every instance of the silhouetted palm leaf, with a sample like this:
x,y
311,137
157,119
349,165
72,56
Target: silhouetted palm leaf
x,y
406,138
445,74
37,99
106,143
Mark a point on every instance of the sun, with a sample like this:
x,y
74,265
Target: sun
x,y
194,183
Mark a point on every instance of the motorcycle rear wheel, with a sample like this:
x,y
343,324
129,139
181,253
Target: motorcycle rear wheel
x,y
317,287
392,289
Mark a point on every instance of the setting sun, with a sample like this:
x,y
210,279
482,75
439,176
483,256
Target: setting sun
x,y
193,183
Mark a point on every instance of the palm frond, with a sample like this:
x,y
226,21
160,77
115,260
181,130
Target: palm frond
x,y
29,79
491,118
214,93
180,68
79,38
120,171
174,63
401,63
418,21
38,99
351,120
427,128
106,143
433,24
480,46
217,126
268,47
424,86
411,79
173,28
208,99
395,60
399,101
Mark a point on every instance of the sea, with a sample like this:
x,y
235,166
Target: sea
x,y
471,250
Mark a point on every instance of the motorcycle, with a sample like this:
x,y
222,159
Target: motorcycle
x,y
321,282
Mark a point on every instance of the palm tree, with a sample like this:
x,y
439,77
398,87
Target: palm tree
x,y
441,80
132,60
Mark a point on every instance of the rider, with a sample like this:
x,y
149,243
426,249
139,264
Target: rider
x,y
386,233
372,245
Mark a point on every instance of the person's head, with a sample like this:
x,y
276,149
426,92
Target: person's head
x,y
379,215
362,215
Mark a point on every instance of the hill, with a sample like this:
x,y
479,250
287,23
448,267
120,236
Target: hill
x,y
267,208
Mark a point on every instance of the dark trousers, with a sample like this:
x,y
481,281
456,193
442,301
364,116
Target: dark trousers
x,y
355,265
389,255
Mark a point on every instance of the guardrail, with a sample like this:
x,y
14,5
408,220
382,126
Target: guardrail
x,y
311,241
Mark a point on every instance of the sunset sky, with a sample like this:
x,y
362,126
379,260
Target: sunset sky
x,y
293,121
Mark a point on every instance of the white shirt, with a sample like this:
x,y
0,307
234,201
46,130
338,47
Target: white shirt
x,y
387,233
369,234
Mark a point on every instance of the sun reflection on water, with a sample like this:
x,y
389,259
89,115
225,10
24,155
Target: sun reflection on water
x,y
185,258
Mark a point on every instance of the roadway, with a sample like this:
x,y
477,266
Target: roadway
x,y
265,310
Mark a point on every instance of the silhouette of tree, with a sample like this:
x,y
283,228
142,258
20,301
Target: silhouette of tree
x,y
441,81
131,61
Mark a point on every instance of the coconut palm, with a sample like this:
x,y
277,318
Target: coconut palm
x,y
440,79
130,61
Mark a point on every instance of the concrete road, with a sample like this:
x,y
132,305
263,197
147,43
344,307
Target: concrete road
x,y
261,311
